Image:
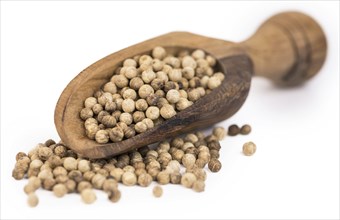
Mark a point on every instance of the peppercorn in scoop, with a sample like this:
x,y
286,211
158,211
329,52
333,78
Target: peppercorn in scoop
x,y
146,90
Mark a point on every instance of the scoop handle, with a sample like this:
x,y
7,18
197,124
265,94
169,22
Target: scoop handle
x,y
288,48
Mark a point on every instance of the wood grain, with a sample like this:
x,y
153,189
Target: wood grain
x,y
289,48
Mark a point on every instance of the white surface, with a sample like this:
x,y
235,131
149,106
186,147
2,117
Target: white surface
x,y
295,172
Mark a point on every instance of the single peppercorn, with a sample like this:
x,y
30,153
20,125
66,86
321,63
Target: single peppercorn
x,y
249,148
188,160
245,129
144,179
214,165
163,177
233,130
88,196
59,190
198,186
70,163
32,200
157,191
219,132
188,180
129,179
114,196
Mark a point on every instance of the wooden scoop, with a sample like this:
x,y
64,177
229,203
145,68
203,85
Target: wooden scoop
x,y
289,48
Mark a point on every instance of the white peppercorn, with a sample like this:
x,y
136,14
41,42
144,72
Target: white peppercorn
x,y
129,179
163,178
36,164
110,87
214,82
104,98
116,134
167,111
172,61
129,132
214,165
84,166
97,108
148,122
91,131
120,80
211,60
173,96
110,106
88,196
144,179
188,160
130,94
59,190
194,95
159,53
198,54
249,148
175,75
173,166
130,72
191,138
61,179
83,185
136,83
157,65
145,59
188,180
32,200
178,155
129,168
35,182
189,61
86,113
140,127
152,112
98,181
110,185
157,191
128,105
88,122
102,136
130,62
198,186
141,105
219,132
145,90
70,163
117,174
204,156
59,171
114,196
148,76
90,102
163,75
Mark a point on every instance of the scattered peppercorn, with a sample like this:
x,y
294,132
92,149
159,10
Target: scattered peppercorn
x,y
60,171
214,165
88,196
233,130
157,191
32,199
249,148
245,129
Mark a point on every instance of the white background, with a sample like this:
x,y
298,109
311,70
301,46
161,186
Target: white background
x,y
295,172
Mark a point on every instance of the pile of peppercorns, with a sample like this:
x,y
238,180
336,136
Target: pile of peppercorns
x,y
147,90
182,160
